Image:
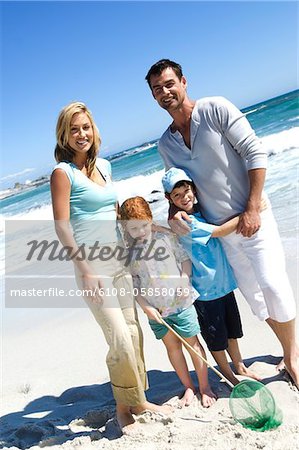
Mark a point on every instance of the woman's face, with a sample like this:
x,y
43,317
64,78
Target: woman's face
x,y
81,133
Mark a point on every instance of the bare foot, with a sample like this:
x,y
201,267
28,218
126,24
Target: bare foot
x,y
243,370
125,419
147,406
187,398
208,398
293,372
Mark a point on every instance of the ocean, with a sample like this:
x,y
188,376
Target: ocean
x,y
138,171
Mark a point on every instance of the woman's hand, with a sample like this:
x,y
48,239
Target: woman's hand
x,y
93,286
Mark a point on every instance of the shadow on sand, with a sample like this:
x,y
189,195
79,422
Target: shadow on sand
x,y
84,410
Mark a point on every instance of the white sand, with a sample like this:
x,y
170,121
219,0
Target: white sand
x,y
56,392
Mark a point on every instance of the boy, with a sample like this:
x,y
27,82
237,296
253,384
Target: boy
x,y
212,276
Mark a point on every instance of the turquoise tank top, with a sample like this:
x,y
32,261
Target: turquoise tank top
x,y
92,207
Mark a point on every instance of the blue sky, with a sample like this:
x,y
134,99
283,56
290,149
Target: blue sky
x,y
99,52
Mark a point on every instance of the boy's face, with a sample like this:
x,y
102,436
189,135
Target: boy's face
x,y
139,229
183,197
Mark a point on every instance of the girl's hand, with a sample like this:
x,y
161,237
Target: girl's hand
x,y
161,228
179,223
93,286
152,313
184,288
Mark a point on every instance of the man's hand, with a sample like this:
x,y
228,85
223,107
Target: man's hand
x,y
249,223
178,223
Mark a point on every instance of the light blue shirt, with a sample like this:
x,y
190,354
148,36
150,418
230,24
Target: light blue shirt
x,y
92,207
212,275
223,148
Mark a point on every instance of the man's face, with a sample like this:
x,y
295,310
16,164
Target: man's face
x,y
168,90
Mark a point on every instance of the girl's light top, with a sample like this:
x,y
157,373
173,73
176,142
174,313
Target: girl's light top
x,y
92,207
158,279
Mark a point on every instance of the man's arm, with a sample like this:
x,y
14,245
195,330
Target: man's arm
x,y
250,220
243,139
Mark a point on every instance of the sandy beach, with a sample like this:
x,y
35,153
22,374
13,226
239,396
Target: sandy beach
x,y
56,390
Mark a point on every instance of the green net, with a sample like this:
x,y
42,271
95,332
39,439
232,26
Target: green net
x,y
253,406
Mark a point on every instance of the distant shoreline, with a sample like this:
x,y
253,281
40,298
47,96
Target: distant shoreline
x,y
23,187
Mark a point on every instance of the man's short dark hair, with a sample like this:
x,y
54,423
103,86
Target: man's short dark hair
x,y
161,65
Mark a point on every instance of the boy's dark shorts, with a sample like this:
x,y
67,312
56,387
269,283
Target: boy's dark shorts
x,y
219,321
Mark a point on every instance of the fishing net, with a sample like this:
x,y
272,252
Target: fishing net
x,y
253,406
250,402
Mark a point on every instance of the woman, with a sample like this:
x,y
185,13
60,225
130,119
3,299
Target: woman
x,y
83,195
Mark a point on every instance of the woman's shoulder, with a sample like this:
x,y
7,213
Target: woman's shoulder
x,y
67,168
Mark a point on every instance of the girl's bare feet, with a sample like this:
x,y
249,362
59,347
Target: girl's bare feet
x,y
147,406
241,369
208,398
187,398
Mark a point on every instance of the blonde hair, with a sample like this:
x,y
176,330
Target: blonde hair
x,y
63,152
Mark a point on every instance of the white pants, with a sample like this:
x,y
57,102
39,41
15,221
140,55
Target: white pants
x,y
259,267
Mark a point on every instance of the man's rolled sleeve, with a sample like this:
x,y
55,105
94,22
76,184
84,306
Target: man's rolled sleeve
x,y
241,136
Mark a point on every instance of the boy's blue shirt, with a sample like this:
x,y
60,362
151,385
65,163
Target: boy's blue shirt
x,y
212,275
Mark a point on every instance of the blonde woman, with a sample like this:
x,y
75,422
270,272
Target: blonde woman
x,y
83,195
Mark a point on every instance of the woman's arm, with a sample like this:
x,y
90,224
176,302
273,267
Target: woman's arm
x,y
60,191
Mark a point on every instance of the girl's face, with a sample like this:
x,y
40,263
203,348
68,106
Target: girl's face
x,y
81,133
139,229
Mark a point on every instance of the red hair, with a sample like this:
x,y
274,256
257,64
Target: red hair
x,y
135,208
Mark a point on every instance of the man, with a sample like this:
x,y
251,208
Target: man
x,y
213,141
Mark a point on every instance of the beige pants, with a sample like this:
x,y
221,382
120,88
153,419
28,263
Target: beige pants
x,y
117,316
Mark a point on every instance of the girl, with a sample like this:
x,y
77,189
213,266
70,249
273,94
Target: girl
x,y
164,291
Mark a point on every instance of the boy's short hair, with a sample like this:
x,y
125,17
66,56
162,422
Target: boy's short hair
x,y
172,177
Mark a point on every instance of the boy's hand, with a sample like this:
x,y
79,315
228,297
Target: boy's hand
x,y
152,313
178,223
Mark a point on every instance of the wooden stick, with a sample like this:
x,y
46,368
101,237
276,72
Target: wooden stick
x,y
198,354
